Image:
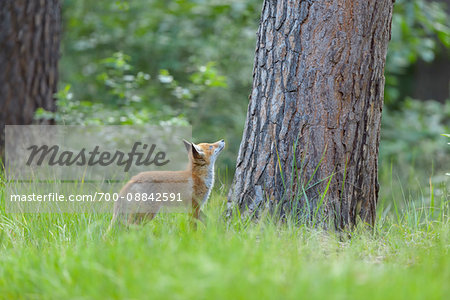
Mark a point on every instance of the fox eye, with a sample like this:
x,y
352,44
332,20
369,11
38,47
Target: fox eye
x,y
210,147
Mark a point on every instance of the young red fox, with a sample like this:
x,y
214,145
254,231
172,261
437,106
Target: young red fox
x,y
197,180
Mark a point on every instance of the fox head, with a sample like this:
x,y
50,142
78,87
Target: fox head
x,y
204,153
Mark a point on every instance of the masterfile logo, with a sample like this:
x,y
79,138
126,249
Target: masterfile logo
x,y
92,152
94,157
82,168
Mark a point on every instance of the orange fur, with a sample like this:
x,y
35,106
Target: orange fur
x,y
198,178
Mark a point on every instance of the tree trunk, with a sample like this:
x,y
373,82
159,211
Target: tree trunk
x,y
315,109
29,51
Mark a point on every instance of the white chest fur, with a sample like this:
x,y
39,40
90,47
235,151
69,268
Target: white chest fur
x,y
209,182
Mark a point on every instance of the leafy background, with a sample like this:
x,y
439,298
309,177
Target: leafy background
x,y
190,62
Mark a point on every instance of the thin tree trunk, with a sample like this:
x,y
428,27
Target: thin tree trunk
x,y
315,110
29,51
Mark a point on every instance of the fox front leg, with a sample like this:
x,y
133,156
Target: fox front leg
x,y
197,215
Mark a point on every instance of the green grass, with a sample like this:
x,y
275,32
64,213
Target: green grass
x,y
61,256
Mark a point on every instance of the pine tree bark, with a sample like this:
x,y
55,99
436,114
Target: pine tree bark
x,y
315,111
29,51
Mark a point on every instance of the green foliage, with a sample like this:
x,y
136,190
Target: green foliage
x,y
417,28
181,37
67,256
412,149
172,45
142,61
415,133
447,135
126,101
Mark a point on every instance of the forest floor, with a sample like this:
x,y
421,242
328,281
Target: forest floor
x,y
69,256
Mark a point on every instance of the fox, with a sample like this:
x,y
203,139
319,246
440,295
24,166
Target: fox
x,y
197,180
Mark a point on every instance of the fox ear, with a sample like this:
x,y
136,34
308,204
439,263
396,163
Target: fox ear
x,y
196,153
188,145
192,147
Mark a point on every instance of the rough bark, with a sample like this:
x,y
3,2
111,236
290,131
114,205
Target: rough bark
x,y
29,51
316,103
